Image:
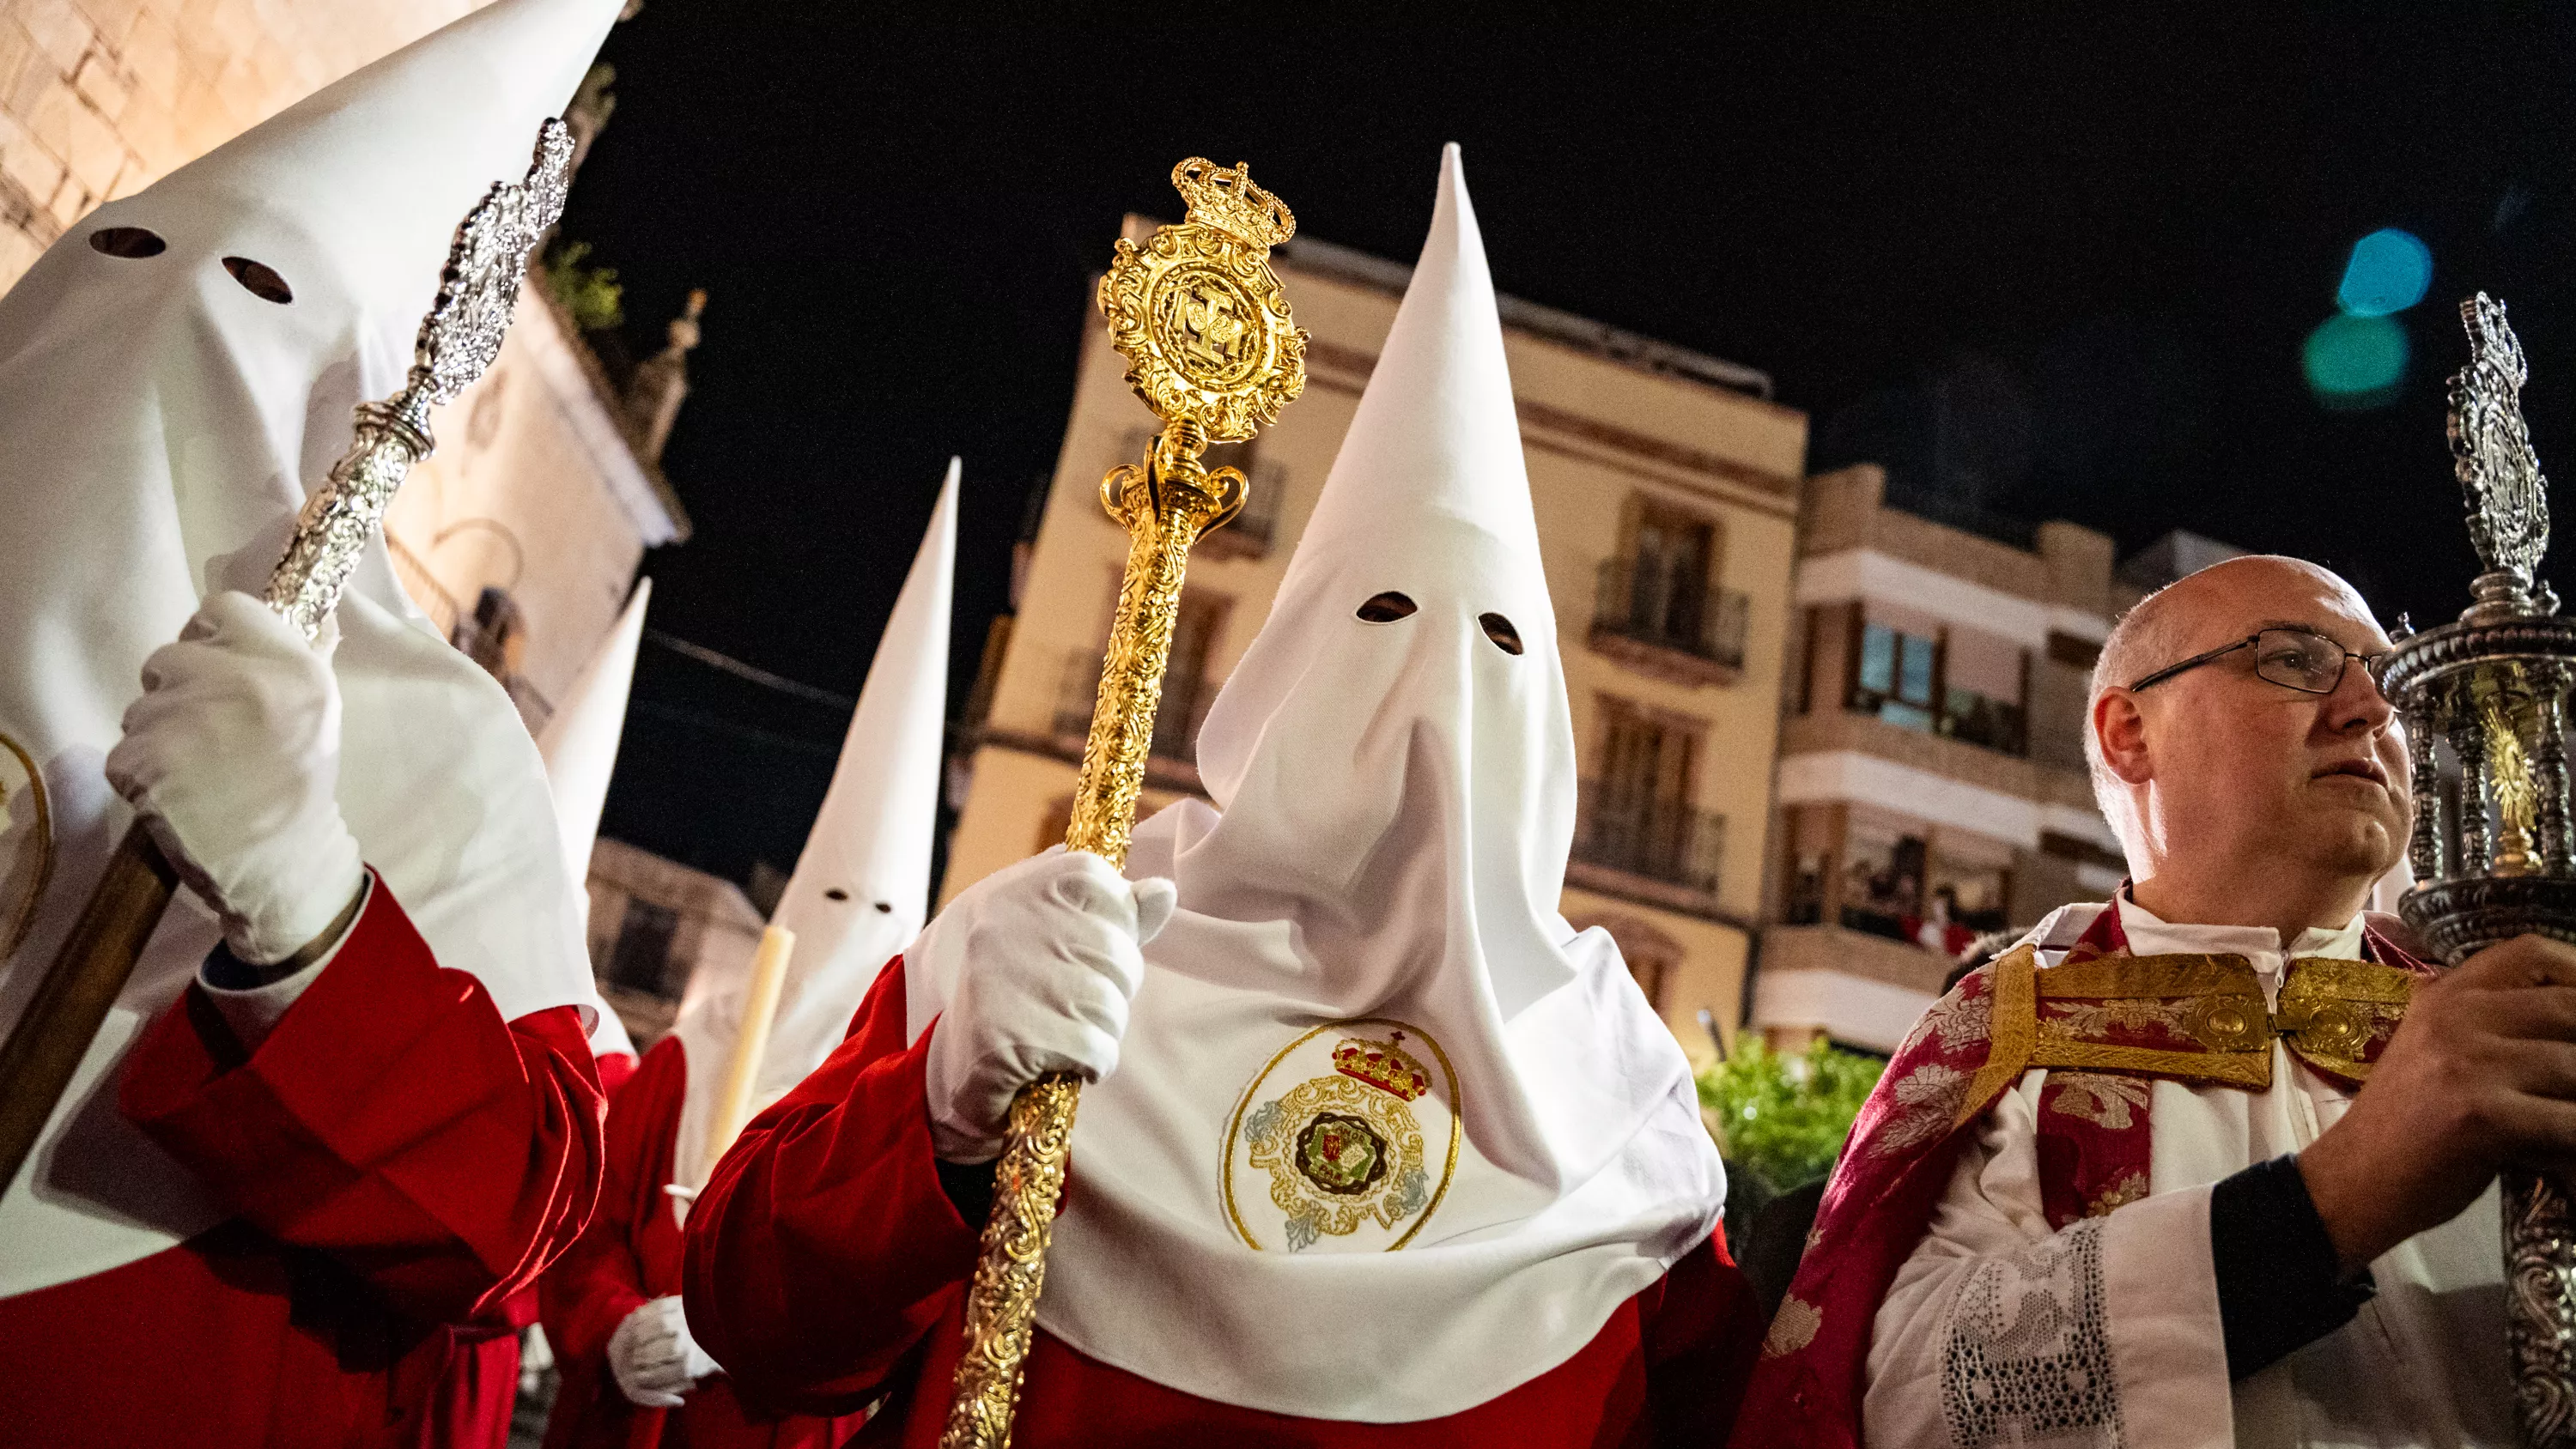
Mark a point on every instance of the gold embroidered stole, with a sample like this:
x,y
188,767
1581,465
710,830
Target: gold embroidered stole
x,y
2190,1018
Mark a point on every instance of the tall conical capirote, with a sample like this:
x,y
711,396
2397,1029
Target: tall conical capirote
x,y
579,742
377,166
177,372
1393,775
862,886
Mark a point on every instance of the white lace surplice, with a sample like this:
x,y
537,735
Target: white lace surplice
x,y
1998,1331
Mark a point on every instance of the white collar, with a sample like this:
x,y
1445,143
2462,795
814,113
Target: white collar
x,y
2150,936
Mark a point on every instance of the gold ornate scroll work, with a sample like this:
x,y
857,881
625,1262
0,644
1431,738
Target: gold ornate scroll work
x,y
1210,347
2105,1014
458,340
1011,1268
1166,505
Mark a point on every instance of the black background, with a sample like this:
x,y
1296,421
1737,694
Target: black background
x,y
2046,263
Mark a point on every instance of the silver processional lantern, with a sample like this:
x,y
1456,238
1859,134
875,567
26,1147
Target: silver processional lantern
x,y
2485,703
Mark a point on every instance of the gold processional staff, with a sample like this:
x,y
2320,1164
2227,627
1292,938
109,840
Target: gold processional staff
x,y
457,341
1210,347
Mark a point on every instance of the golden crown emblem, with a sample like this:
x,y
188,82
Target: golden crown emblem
x,y
1383,1065
1227,199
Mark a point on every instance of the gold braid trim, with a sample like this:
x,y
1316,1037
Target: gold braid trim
x,y
2330,1012
2013,1033
2118,976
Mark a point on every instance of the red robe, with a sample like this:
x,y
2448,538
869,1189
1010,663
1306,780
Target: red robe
x,y
472,1406
629,1255
398,1159
827,1265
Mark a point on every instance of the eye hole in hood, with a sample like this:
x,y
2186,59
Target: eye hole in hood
x,y
260,280
1386,608
127,241
1500,630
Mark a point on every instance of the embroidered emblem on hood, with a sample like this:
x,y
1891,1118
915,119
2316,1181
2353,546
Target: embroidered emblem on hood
x,y
26,843
1347,1154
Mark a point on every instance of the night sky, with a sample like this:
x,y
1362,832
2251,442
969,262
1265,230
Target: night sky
x,y
2052,264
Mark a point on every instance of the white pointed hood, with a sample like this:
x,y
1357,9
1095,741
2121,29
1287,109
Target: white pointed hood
x,y
160,424
579,742
579,747
862,887
1387,1138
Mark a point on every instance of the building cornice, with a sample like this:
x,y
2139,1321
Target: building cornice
x,y
1867,573
588,399
1588,439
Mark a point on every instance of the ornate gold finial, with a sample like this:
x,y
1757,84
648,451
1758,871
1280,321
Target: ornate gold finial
x,y
1211,349
1229,201
2508,499
1199,315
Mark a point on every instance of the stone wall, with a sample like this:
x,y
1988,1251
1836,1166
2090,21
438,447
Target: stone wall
x,y
99,98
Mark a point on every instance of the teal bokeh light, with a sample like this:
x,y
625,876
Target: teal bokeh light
x,y
2388,272
2355,362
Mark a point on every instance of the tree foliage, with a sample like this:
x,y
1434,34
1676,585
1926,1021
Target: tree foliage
x,y
593,295
1782,1116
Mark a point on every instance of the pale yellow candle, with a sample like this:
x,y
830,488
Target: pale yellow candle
x,y
759,1010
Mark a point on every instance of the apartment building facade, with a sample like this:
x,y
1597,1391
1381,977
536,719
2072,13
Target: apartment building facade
x,y
1932,783
1666,488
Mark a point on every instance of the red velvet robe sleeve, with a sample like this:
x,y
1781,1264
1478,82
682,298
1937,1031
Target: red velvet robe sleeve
x,y
615,1070
823,1248
391,1120
601,1278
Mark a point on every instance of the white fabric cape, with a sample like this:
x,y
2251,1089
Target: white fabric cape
x,y
862,885
1395,809
159,427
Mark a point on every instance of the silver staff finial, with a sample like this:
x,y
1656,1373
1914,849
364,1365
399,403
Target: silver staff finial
x,y
2508,500
458,339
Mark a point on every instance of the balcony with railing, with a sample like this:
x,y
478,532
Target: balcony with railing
x,y
1665,852
1668,622
1186,697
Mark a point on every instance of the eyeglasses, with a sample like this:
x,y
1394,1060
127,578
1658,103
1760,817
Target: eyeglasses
x,y
2308,663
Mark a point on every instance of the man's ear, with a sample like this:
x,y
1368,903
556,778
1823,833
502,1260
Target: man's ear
x,y
2120,732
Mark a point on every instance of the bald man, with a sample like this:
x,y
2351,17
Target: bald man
x,y
2123,1186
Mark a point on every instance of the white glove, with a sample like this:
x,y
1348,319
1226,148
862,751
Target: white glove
x,y
1050,959
653,1357
230,757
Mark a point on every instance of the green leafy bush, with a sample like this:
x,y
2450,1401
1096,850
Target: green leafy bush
x,y
593,295
1784,1117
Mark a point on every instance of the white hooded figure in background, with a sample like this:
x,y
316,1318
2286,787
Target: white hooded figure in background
x,y
1373,1134
363,824
860,891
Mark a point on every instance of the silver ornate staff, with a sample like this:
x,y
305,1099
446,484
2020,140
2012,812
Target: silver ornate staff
x,y
458,340
2485,701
